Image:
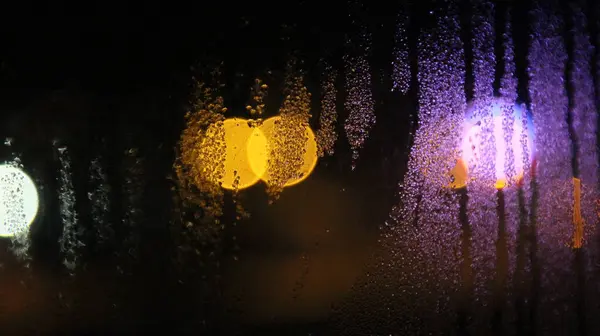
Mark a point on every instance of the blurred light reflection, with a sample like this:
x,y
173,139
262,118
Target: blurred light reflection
x,y
472,140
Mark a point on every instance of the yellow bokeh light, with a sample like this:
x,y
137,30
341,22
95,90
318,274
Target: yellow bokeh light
x,y
459,175
500,183
259,149
237,132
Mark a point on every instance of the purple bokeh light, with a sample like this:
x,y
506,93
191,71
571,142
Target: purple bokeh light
x,y
470,149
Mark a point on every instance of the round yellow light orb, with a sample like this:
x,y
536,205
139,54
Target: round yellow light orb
x,y
259,149
238,173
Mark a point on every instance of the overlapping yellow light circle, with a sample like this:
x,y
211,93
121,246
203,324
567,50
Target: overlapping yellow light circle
x,y
19,201
260,150
237,171
247,151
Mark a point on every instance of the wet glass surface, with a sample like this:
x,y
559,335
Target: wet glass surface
x,y
423,168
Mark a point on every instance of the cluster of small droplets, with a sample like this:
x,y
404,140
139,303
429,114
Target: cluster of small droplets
x,y
289,135
359,100
484,63
326,135
508,82
199,168
255,108
412,287
70,240
441,100
441,111
549,103
99,198
258,93
12,197
484,60
584,118
547,59
508,91
400,65
201,162
482,202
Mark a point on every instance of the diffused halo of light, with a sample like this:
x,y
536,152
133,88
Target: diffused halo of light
x,y
19,201
471,141
259,151
237,132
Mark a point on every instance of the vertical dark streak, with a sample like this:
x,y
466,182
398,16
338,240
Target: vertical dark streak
x,y
579,268
520,33
535,265
46,229
501,266
569,45
519,277
466,268
500,29
467,36
578,261
342,146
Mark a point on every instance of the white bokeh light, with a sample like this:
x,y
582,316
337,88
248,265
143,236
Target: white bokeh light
x,y
19,201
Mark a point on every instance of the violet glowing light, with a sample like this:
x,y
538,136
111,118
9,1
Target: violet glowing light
x,y
471,144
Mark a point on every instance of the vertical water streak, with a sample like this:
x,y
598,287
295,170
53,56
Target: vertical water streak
x,y
482,204
289,136
584,117
484,59
519,281
326,135
584,123
499,325
508,91
359,100
514,197
401,74
484,63
99,197
547,61
70,240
